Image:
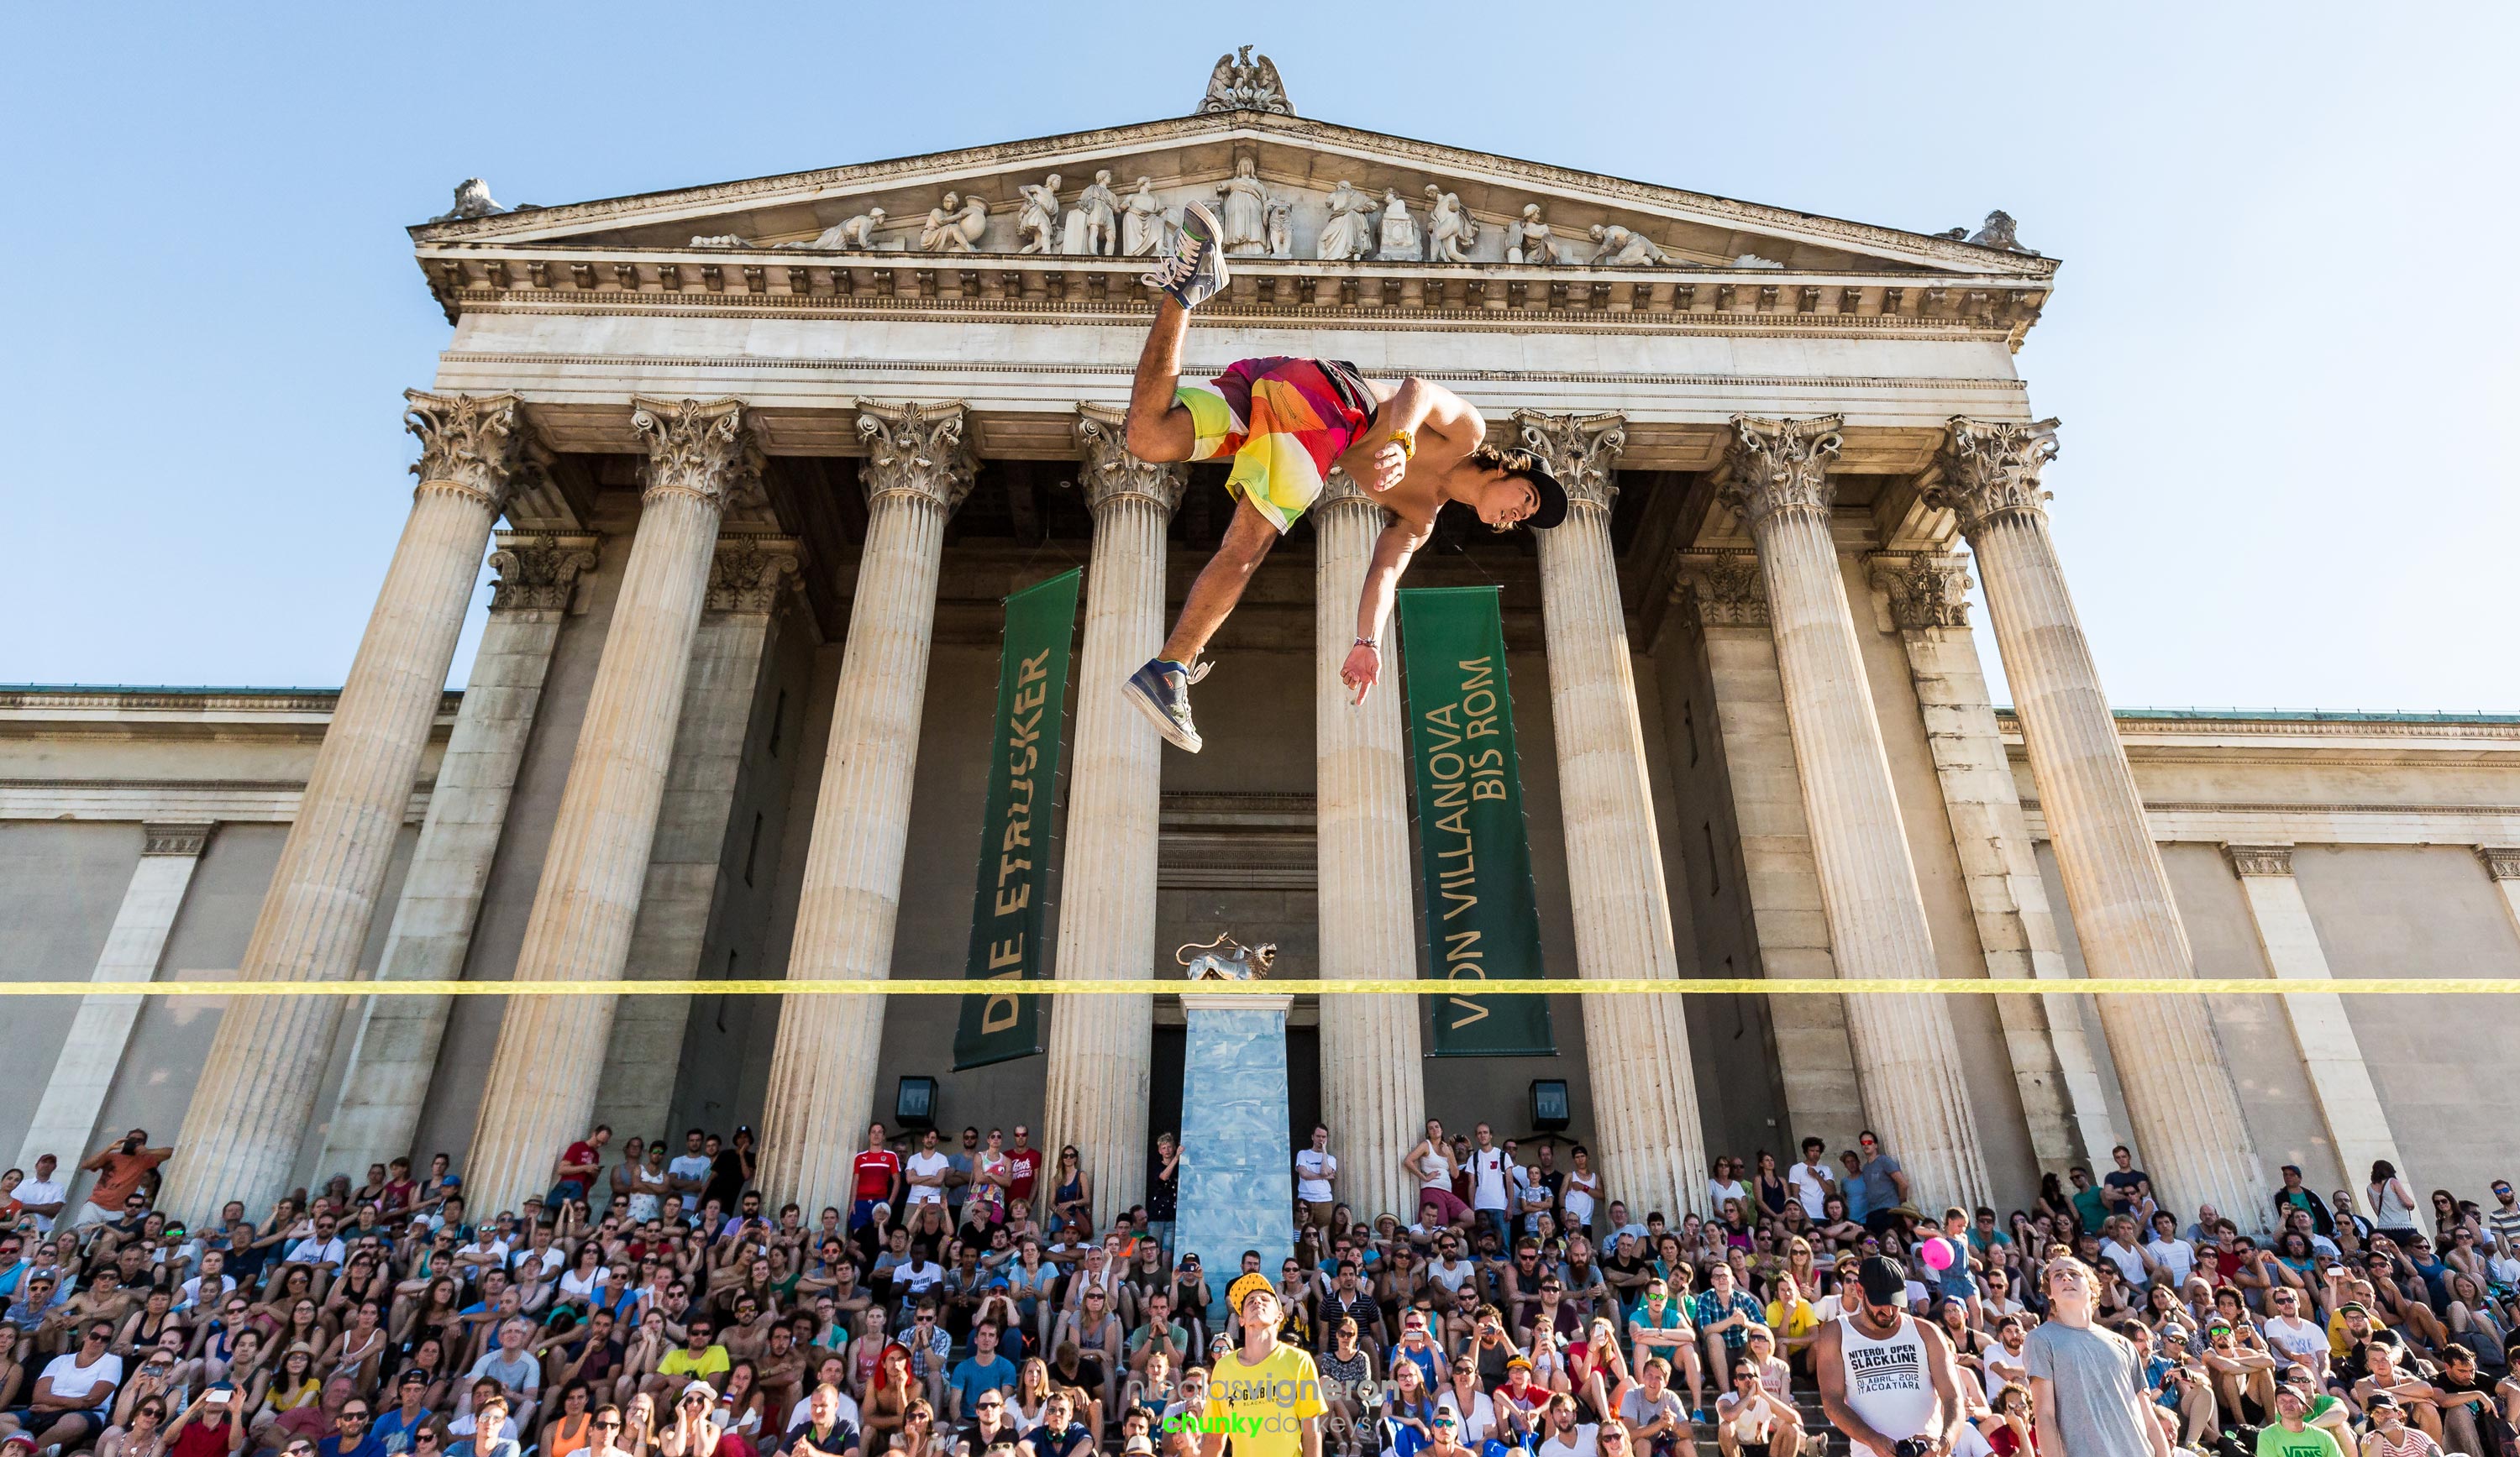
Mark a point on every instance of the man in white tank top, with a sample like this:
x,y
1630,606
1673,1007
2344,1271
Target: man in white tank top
x,y
1885,1377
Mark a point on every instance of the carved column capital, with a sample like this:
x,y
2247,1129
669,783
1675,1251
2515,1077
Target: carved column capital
x,y
1110,473
2501,862
917,449
748,572
1722,589
1776,465
1988,468
708,450
178,837
478,444
538,571
2259,859
1580,450
1924,591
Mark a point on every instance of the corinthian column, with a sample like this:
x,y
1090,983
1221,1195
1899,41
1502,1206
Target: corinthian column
x,y
1373,1092
395,1051
2053,1066
1907,1058
821,1071
543,1074
2181,1100
1101,1046
1644,1091
255,1097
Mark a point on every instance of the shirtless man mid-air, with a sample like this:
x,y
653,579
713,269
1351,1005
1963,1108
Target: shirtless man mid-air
x,y
1287,424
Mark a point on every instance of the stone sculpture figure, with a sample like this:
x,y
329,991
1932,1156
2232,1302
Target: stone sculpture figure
x,y
1142,221
1623,249
1998,232
1528,240
720,241
1282,233
955,225
1225,959
857,233
1097,225
1240,83
1399,229
1038,217
1450,230
1245,209
472,199
1346,233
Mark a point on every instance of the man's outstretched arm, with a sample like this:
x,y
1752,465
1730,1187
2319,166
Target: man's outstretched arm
x,y
1424,411
1399,541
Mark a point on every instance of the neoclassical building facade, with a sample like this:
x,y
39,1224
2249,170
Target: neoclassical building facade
x,y
751,466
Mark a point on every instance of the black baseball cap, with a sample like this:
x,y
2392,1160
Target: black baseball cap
x,y
1884,1280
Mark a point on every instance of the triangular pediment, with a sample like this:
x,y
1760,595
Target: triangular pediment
x,y
1319,185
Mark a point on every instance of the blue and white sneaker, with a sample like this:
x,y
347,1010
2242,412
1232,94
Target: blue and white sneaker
x,y
1195,274
1161,691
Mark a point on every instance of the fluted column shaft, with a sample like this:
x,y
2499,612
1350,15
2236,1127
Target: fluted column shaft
x,y
1373,1090
1649,1141
255,1097
822,1065
395,1051
1101,1047
540,1094
1907,1056
2181,1103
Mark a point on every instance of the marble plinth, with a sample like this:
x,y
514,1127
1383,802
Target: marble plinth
x,y
1237,1181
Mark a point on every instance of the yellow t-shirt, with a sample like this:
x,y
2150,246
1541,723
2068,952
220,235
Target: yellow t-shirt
x,y
680,1362
1264,1405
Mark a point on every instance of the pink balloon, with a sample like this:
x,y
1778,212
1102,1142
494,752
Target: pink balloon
x,y
1938,1253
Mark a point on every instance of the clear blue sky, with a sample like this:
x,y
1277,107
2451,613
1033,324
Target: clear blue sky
x,y
2283,348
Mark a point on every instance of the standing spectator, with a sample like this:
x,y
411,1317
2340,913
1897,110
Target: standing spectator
x,y
40,1197
119,1169
2393,1207
923,1173
1885,1184
2086,1383
730,1171
960,1164
1491,1181
689,1172
578,1164
875,1179
1316,1179
1163,1193
1023,1168
2127,1190
1809,1180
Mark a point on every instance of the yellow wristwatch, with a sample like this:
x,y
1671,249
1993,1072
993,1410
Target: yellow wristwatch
x,y
1407,440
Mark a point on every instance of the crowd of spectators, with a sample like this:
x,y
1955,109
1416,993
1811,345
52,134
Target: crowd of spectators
x,y
965,1303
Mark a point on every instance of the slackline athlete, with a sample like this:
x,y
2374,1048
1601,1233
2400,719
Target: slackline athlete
x,y
1287,424
1263,1395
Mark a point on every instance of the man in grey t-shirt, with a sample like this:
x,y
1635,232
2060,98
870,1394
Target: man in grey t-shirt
x,y
2084,1382
1652,1410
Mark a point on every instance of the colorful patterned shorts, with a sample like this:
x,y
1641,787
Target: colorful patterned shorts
x,y
1283,421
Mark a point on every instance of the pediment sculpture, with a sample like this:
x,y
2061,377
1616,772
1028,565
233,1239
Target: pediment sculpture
x,y
1240,83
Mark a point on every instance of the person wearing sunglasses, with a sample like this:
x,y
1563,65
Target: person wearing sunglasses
x,y
353,1432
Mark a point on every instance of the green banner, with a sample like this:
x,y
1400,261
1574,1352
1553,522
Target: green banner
x,y
1481,919
1007,910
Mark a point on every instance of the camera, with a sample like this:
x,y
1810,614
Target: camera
x,y
1911,1446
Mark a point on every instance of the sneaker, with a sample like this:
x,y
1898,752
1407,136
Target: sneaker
x,y
1195,274
1161,691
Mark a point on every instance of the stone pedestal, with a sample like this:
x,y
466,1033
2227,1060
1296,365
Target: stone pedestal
x,y
1238,1179
2181,1103
1101,1048
255,1098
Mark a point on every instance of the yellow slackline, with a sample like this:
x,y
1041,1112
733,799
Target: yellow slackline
x,y
1471,986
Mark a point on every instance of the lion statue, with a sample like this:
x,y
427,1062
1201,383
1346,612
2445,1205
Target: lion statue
x,y
1225,959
